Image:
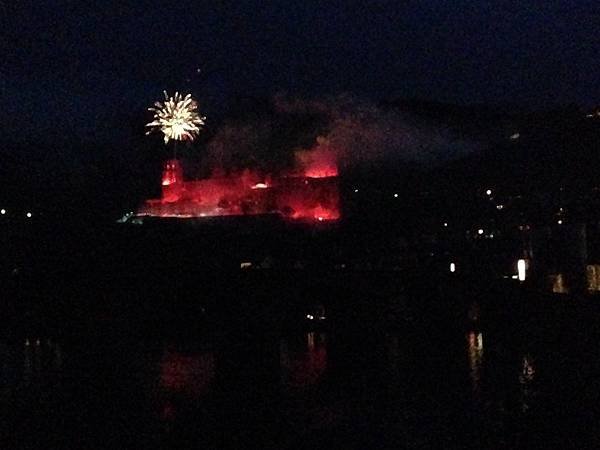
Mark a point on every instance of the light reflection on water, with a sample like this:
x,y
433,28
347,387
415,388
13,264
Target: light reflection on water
x,y
183,378
475,356
189,374
303,363
415,373
526,380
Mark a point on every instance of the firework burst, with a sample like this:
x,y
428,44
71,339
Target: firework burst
x,y
177,118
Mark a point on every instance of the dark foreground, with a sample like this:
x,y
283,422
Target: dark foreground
x,y
236,364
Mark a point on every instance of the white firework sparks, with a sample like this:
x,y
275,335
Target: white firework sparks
x,y
177,118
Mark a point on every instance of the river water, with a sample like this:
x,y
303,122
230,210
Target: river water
x,y
482,372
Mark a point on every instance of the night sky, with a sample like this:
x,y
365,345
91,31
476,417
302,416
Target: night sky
x,y
68,67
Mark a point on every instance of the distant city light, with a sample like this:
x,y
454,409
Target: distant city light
x,y
480,232
28,215
445,224
452,267
488,192
2,211
310,316
499,207
559,221
593,114
355,191
521,268
515,136
395,195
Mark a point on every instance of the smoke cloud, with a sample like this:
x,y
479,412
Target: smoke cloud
x,y
346,131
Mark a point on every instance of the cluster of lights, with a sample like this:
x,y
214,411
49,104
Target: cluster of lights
x,y
593,114
3,212
312,317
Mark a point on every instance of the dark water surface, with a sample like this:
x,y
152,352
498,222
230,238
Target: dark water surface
x,y
444,370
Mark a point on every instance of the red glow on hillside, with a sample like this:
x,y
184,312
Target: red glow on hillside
x,y
321,172
310,195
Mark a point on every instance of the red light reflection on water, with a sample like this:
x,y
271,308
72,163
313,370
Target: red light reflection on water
x,y
183,378
191,375
304,367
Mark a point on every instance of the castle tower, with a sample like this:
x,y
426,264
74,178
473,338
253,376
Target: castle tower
x,y
172,181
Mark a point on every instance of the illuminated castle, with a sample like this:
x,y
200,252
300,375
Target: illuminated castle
x,y
312,195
